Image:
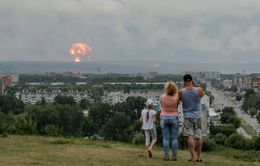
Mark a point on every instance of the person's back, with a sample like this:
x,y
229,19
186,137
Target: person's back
x,y
191,103
169,105
169,119
148,119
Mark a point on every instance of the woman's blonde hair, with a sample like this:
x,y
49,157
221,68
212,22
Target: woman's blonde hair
x,y
170,88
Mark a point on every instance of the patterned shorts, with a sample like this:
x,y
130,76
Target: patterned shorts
x,y
192,126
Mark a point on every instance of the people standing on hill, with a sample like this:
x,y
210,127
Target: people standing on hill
x,y
169,119
148,118
190,97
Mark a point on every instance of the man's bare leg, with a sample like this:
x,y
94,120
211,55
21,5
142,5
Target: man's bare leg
x,y
191,144
199,149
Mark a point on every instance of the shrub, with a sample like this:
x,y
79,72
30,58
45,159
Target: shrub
x,y
248,144
235,121
234,141
257,143
226,129
208,144
118,128
220,138
25,125
8,124
182,141
239,98
138,138
258,117
252,111
52,130
237,141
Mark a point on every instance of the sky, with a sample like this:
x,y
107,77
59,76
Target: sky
x,y
216,31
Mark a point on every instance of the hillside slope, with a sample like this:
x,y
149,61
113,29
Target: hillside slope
x,y
48,151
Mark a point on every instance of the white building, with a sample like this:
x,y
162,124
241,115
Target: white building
x,y
213,116
33,97
227,83
115,97
204,75
57,83
15,79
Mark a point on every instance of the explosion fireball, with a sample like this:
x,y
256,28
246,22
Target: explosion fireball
x,y
80,50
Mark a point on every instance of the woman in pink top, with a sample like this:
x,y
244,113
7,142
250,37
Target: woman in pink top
x,y
169,119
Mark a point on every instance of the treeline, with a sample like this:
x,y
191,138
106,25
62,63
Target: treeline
x,y
65,117
94,79
28,78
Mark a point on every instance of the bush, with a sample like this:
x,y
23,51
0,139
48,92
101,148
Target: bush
x,y
52,130
252,111
248,144
257,143
258,117
235,121
237,141
25,125
220,138
226,129
239,98
118,128
234,141
8,123
138,138
182,141
208,144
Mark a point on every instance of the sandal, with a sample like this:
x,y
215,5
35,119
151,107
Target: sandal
x,y
166,159
191,160
150,155
199,160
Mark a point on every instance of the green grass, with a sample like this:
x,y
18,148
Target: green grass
x,y
50,151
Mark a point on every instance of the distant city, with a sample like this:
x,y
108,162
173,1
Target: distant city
x,y
241,81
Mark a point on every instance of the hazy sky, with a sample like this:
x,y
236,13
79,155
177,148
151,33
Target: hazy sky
x,y
132,30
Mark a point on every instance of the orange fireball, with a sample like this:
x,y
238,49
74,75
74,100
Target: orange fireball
x,y
80,49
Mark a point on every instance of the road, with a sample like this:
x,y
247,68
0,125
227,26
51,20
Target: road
x,y
222,100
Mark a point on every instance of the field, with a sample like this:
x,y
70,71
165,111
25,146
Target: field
x,y
51,151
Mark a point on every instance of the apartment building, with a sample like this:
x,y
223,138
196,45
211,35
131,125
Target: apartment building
x,y
253,82
227,83
6,80
34,97
204,75
115,97
240,80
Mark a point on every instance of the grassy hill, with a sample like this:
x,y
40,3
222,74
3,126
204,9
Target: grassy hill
x,y
49,151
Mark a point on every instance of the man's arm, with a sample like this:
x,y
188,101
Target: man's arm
x,y
200,92
180,94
